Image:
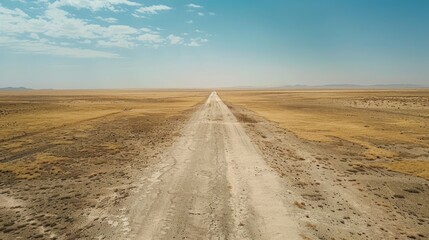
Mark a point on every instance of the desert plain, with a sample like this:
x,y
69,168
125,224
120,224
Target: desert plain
x,y
225,164
64,154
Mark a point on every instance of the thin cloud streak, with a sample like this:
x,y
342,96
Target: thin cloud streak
x,y
154,9
43,47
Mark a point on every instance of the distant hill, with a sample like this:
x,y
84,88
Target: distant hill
x,y
14,89
357,86
334,86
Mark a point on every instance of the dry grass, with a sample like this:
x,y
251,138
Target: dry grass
x,y
28,112
375,120
417,168
32,169
65,154
34,121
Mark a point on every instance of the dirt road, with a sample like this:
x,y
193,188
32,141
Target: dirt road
x,y
212,184
199,170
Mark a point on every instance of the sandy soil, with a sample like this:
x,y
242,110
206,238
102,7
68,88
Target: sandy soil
x,y
337,191
67,157
212,184
168,166
384,128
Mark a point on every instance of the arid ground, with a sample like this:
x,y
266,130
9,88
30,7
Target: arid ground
x,y
356,163
325,164
67,157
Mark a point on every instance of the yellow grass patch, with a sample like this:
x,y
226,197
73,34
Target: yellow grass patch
x,y
413,167
28,112
32,169
367,118
32,121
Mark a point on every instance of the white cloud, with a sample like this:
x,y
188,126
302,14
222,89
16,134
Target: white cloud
x,y
119,42
154,9
136,15
58,24
145,29
190,22
108,20
55,31
191,5
94,5
118,30
174,40
34,36
150,38
196,42
200,14
15,12
40,47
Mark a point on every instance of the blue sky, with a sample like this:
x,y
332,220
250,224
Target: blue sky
x,y
212,43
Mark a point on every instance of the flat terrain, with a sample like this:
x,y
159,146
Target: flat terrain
x,y
226,165
211,184
356,162
380,125
69,156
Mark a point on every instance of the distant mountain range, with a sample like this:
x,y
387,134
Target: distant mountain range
x,y
14,88
351,86
337,86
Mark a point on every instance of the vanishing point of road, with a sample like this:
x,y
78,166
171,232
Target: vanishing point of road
x,y
211,184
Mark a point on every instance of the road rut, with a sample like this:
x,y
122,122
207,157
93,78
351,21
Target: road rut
x,y
212,184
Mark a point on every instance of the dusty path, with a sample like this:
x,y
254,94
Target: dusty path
x,y
336,193
212,184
